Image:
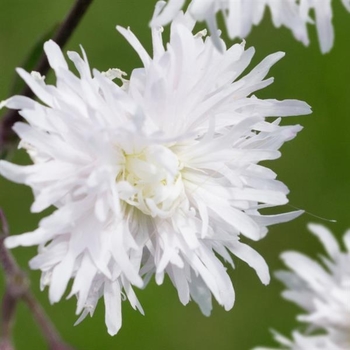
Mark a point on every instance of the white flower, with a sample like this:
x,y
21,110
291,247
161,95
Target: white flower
x,y
72,139
197,98
303,342
323,20
241,15
158,176
323,291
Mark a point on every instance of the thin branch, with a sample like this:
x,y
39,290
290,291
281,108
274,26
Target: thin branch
x,y
8,308
5,230
62,35
47,327
6,260
6,345
13,289
17,288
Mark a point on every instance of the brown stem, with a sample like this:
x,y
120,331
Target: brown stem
x,y
5,230
17,288
48,329
12,292
6,260
5,344
62,35
8,308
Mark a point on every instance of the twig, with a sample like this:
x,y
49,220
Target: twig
x,y
6,260
8,308
13,289
17,288
47,327
62,35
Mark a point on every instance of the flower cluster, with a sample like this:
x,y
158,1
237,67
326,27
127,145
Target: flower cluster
x,y
323,291
241,15
157,175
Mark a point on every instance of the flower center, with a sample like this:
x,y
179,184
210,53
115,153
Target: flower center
x,y
155,179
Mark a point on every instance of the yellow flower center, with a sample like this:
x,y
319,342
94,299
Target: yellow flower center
x,y
156,181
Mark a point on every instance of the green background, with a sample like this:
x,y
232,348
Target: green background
x,y
315,166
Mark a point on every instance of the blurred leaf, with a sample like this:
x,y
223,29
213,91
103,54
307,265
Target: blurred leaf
x,y
32,60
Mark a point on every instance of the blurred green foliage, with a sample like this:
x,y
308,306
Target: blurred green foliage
x,y
315,166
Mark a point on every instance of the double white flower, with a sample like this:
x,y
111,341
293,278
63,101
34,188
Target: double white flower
x,y
323,291
158,175
241,15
